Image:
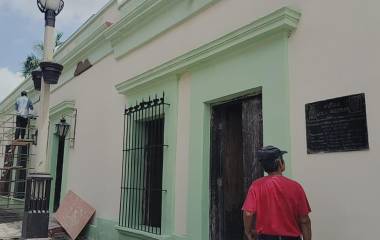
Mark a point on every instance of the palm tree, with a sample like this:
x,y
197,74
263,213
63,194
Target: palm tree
x,y
32,61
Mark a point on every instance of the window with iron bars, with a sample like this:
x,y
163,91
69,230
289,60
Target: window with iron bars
x,y
142,170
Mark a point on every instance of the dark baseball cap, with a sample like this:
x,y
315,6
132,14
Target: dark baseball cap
x,y
269,153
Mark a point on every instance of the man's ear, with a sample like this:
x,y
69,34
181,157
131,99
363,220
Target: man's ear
x,y
283,164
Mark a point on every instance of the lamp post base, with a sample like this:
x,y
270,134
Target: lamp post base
x,y
35,225
36,214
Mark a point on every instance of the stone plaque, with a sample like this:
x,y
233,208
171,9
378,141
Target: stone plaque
x,y
337,125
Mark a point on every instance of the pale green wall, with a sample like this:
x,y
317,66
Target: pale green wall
x,y
101,229
170,87
53,146
251,68
235,73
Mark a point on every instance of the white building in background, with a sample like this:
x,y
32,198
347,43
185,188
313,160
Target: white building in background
x,y
236,75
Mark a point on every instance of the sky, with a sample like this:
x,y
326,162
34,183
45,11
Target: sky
x,y
22,26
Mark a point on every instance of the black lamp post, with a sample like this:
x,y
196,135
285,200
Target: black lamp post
x,y
62,128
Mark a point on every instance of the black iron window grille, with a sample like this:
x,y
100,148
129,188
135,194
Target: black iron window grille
x,y
142,170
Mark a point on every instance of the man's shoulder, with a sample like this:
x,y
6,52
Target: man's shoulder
x,y
294,184
291,181
259,181
264,179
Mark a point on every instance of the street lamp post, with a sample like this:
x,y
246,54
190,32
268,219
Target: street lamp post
x,y
51,8
37,193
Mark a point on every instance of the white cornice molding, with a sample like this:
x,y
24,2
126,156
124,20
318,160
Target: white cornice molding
x,y
75,54
120,28
282,20
129,33
63,106
85,26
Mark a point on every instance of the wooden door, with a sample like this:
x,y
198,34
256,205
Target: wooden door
x,y
59,174
236,135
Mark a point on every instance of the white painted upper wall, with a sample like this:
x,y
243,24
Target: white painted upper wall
x,y
94,164
334,52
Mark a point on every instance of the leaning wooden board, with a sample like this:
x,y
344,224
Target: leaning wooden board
x,y
73,214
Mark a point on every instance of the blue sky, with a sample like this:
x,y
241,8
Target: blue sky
x,y
22,26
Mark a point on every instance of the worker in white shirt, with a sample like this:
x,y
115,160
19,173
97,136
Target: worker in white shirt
x,y
24,108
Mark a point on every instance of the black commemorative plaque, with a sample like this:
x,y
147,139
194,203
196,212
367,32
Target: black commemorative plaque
x,y
337,125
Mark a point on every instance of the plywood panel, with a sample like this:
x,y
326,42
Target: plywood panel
x,y
74,214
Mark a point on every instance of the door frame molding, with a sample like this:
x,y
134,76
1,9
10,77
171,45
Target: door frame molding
x,y
65,108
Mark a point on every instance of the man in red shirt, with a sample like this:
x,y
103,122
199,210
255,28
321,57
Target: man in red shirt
x,y
279,204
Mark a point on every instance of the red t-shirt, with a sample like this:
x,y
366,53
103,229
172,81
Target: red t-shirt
x,y
278,203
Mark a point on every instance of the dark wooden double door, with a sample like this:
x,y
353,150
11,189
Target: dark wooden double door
x,y
236,135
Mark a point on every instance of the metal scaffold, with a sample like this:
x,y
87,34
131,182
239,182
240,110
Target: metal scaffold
x,y
15,164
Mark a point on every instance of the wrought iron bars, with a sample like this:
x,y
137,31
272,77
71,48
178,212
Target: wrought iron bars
x,y
142,170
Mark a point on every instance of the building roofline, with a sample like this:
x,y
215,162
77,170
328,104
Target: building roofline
x,y
84,26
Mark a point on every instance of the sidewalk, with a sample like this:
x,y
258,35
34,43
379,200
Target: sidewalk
x,y
10,230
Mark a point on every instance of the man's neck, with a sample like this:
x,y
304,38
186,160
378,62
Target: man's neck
x,y
278,173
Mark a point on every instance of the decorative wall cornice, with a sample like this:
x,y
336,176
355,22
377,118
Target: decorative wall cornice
x,y
61,107
122,26
77,53
282,20
98,40
140,26
87,27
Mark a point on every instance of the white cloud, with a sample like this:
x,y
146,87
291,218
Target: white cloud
x,y
8,82
74,12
